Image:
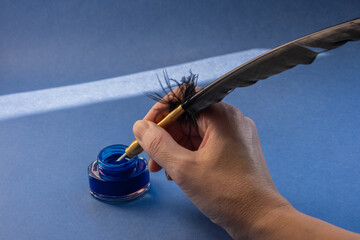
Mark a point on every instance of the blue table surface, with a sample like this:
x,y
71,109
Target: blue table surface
x,y
308,118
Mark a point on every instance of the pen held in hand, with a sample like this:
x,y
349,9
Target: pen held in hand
x,y
303,50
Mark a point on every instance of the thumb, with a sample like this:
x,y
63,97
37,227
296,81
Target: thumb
x,y
159,145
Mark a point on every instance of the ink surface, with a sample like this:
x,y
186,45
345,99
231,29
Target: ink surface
x,y
120,181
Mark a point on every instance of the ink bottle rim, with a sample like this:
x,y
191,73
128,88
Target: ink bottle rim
x,y
117,182
115,170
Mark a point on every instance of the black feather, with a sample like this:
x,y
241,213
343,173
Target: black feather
x,y
277,60
273,62
185,89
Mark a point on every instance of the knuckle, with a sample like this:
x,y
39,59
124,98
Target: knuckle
x,y
234,113
250,122
155,144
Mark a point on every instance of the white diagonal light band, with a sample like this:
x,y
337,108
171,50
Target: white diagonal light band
x,y
40,101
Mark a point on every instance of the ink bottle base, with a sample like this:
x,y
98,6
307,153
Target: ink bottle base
x,y
118,181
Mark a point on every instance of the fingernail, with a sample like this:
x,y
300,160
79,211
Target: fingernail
x,y
139,129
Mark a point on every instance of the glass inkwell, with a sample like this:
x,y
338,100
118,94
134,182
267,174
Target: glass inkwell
x,y
118,181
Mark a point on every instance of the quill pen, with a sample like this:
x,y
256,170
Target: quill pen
x,y
303,50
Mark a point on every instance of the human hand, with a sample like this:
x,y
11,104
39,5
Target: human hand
x,y
220,166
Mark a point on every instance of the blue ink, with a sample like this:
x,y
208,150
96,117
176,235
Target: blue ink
x,y
122,181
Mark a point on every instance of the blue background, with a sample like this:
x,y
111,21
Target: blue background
x,y
308,118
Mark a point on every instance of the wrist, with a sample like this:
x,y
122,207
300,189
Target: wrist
x,y
287,223
247,221
272,222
